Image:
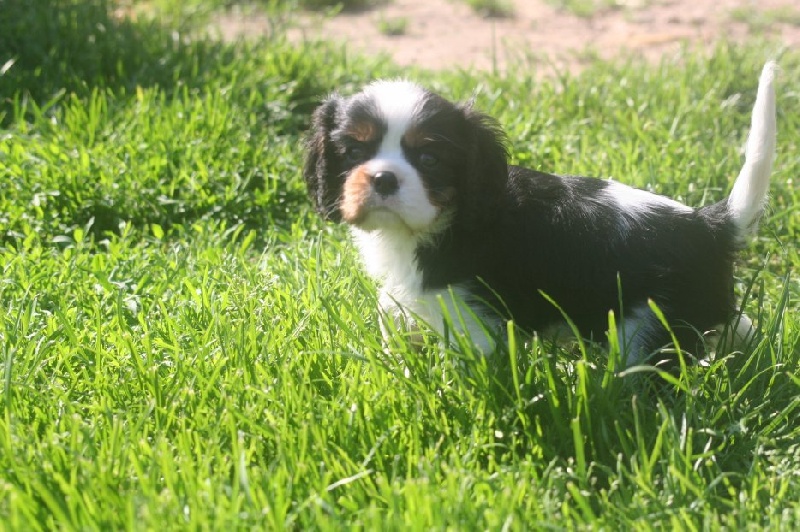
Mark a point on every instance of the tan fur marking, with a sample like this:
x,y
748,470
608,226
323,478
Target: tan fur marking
x,y
363,131
415,137
357,189
442,197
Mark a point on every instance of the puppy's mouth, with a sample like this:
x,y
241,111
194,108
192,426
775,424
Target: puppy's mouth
x,y
373,217
381,218
365,208
386,200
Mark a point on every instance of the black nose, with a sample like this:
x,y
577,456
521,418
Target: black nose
x,y
385,183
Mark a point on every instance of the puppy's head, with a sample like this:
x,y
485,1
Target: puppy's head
x,y
396,155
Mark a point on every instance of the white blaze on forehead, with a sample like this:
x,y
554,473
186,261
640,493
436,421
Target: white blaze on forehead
x,y
398,102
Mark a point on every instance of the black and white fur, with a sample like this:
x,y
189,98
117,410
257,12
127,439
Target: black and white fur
x,y
454,235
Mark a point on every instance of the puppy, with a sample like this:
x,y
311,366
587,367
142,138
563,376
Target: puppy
x,y
462,241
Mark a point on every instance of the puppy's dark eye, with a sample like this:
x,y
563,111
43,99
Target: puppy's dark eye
x,y
355,153
428,160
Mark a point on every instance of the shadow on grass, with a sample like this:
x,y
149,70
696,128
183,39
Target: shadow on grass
x,y
62,59
50,47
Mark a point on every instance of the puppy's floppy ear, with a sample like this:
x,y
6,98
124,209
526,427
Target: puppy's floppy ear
x,y
488,169
321,171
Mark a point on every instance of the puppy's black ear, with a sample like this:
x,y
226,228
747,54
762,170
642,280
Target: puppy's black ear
x,y
487,177
321,170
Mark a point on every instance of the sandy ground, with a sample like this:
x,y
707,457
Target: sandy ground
x,y
448,33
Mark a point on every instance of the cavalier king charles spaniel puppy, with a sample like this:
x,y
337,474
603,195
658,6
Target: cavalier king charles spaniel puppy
x,y
459,239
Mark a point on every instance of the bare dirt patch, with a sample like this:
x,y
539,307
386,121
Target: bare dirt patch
x,y
447,33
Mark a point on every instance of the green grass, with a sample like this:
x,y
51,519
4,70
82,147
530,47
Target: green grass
x,y
351,5
393,26
586,8
491,8
763,19
184,345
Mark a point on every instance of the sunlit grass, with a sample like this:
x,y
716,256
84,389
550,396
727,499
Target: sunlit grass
x,y
492,8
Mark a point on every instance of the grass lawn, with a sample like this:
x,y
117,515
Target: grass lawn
x,y
184,345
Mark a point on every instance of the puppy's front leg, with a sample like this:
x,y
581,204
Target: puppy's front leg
x,y
453,317
393,318
446,313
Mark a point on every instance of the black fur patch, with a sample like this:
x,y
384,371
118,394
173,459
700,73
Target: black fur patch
x,y
555,235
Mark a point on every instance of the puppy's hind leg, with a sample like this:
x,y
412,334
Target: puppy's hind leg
x,y
735,336
635,336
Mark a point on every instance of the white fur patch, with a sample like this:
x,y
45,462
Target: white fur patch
x,y
389,257
633,333
447,308
398,101
750,188
734,336
637,202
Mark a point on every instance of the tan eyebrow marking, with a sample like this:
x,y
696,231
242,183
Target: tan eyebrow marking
x,y
416,137
363,131
442,197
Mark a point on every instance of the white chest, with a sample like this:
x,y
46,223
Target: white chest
x,y
390,258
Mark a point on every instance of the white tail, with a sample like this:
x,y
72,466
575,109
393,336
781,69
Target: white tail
x,y
750,189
